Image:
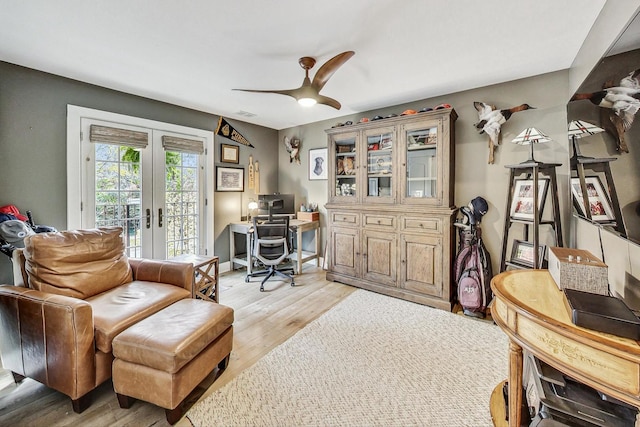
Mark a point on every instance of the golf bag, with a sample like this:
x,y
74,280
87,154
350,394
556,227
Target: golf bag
x,y
472,267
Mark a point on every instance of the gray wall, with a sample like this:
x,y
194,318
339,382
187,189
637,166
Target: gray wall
x,y
33,128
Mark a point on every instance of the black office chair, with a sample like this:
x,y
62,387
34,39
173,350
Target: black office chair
x,y
272,248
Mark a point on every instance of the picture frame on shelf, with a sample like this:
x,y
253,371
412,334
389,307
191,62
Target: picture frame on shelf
x,y
229,153
380,163
318,164
522,203
599,201
522,254
229,179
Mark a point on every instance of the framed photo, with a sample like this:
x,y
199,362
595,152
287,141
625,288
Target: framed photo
x,y
522,254
229,179
229,153
379,162
317,164
522,203
599,204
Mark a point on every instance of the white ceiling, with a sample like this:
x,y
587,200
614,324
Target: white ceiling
x,y
192,53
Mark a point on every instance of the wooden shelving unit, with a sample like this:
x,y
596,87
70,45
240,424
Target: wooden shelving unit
x,y
579,166
534,171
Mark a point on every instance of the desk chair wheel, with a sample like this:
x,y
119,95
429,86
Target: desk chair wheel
x,y
293,284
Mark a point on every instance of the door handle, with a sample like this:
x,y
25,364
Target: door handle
x,y
160,217
148,218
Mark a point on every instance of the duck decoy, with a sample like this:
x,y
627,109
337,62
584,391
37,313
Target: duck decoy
x,y
491,121
623,102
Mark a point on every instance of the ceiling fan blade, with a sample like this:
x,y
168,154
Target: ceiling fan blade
x,y
288,92
328,101
330,67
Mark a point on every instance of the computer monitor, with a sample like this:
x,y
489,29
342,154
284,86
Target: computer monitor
x,y
281,204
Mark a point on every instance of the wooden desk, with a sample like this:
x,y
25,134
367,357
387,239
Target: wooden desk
x,y
205,281
530,309
300,256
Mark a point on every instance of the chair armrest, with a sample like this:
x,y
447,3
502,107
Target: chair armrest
x,y
48,338
171,272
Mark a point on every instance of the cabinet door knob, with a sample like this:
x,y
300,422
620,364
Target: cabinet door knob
x,y
378,221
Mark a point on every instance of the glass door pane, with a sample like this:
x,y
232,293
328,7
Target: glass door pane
x,y
118,192
379,164
422,166
182,203
345,167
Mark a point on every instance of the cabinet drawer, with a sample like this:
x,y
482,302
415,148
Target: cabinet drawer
x,y
344,218
387,222
428,225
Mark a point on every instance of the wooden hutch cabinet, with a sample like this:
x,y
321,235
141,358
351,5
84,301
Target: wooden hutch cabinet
x,y
390,206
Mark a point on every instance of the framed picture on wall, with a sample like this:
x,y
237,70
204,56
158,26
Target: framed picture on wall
x,y
229,179
229,153
317,164
599,205
522,203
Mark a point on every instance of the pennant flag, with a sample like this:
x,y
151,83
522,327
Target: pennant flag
x,y
226,130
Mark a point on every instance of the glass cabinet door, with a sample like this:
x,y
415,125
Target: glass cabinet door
x,y
379,167
421,163
344,167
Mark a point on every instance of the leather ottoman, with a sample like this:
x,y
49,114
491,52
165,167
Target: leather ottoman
x,y
164,357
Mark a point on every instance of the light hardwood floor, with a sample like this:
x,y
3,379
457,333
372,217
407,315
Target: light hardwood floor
x,y
263,320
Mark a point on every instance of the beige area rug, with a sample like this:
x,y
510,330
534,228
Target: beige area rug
x,y
372,360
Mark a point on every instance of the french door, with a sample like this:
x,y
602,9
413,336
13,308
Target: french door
x,y
150,182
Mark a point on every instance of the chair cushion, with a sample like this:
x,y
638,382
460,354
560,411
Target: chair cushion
x,y
119,308
79,263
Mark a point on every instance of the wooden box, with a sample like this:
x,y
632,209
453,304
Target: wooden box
x,y
578,269
309,216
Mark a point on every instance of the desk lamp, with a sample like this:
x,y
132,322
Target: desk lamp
x,y
252,205
581,129
531,136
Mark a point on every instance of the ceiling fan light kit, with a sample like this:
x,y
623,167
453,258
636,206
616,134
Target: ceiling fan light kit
x,y
309,93
307,102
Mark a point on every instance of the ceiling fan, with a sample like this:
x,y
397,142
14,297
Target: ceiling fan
x,y
309,93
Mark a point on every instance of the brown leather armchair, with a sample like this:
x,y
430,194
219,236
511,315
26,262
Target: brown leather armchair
x,y
80,290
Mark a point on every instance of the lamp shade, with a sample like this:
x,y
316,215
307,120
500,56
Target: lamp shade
x,y
580,129
531,136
